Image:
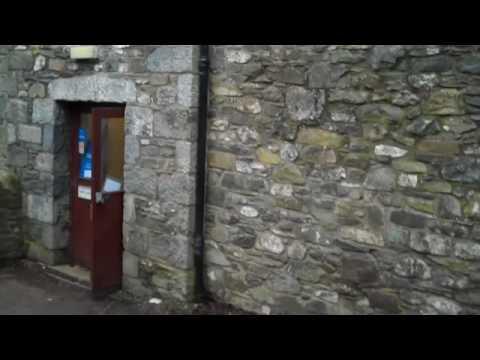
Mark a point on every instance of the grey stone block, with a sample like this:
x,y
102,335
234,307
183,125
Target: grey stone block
x,y
3,141
407,219
136,240
98,88
187,90
3,105
139,121
3,64
323,75
17,156
31,134
216,257
41,208
174,284
39,253
175,250
40,63
301,104
16,111
54,138
37,91
385,55
380,179
431,244
45,111
136,287
53,237
11,134
166,96
20,61
174,125
130,264
470,65
129,208
449,207
132,149
185,156
360,268
177,188
48,138
141,182
171,58
115,90
44,162
8,84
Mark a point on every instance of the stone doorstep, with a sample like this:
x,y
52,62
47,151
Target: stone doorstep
x,y
74,275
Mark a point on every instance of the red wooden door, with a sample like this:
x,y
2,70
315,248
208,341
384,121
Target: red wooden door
x,y
81,244
108,160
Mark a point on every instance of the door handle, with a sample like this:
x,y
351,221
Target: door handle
x,y
101,197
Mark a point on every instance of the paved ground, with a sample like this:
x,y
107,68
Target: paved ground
x,y
26,290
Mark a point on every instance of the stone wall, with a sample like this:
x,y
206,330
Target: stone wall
x,y
11,242
3,136
344,179
158,85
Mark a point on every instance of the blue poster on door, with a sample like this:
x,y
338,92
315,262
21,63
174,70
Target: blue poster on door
x,y
86,161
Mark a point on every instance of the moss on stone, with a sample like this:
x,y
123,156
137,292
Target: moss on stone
x,y
360,161
235,280
268,157
221,160
375,132
262,294
463,267
9,181
289,203
438,148
173,283
408,166
317,155
402,139
421,205
444,102
436,187
37,252
472,207
225,89
380,114
327,139
289,174
35,50
346,209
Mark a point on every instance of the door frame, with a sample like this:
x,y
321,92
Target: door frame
x,y
74,111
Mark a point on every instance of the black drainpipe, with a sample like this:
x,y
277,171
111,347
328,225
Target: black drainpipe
x,y
201,294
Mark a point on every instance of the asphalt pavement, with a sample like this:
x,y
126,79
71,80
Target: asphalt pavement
x,y
27,290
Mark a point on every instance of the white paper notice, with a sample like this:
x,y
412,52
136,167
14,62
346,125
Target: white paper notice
x,y
85,192
112,185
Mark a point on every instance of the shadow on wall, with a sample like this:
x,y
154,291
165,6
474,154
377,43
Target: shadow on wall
x,y
11,241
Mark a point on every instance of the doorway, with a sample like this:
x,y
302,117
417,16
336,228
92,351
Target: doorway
x,y
96,190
